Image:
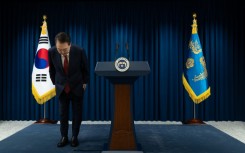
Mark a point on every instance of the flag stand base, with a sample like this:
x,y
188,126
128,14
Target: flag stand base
x,y
193,121
46,121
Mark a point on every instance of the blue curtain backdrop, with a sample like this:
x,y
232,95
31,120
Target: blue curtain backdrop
x,y
157,32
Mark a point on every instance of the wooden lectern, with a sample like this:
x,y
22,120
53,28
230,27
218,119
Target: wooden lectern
x,y
122,133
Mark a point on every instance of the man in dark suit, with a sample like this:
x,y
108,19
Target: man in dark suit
x,y
68,68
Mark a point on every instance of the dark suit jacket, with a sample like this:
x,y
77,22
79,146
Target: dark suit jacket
x,y
78,71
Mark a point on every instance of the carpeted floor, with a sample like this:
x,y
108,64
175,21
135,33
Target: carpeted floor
x,y
42,138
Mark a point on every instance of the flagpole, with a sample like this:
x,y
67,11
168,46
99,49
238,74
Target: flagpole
x,y
194,112
194,120
44,111
45,120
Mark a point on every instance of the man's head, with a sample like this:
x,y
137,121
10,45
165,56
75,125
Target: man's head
x,y
63,43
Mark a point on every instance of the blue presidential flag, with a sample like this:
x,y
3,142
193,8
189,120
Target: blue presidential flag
x,y
195,76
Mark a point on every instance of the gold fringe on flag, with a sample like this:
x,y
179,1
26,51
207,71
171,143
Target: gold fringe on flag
x,y
45,97
196,99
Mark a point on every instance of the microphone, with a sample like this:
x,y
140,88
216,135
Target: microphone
x,y
127,50
116,51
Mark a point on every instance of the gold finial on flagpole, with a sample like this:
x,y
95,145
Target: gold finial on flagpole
x,y
44,26
44,17
194,25
194,15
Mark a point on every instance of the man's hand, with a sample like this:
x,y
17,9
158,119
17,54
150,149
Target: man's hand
x,y
84,86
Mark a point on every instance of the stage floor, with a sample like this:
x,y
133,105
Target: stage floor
x,y
235,129
154,138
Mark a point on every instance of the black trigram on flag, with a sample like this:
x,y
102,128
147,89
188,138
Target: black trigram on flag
x,y
43,40
41,77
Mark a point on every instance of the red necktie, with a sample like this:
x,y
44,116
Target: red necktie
x,y
66,64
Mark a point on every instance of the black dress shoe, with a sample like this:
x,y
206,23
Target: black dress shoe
x,y
63,141
74,142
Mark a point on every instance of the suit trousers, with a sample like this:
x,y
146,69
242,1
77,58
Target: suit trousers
x,y
77,105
